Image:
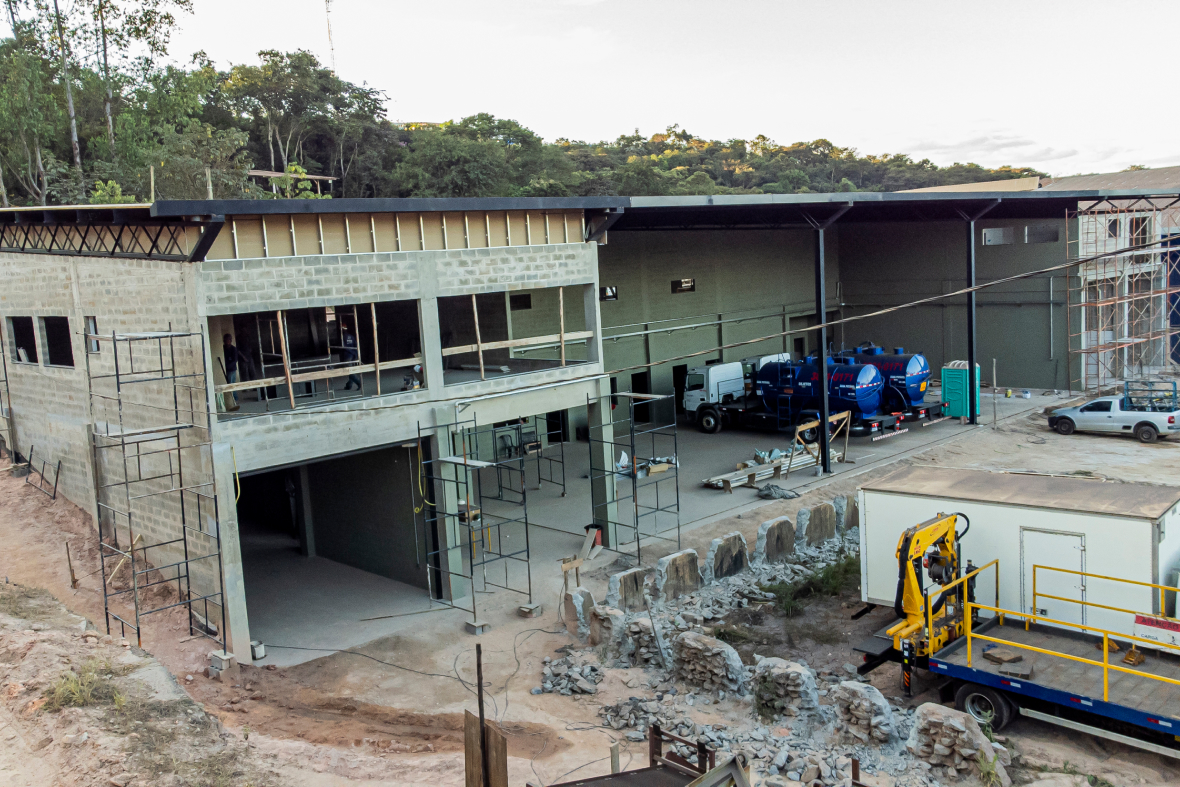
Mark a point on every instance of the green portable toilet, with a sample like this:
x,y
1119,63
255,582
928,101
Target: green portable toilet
x,y
954,389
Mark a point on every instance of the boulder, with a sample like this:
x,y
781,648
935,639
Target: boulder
x,y
727,556
625,590
776,541
677,575
946,737
783,687
863,712
607,626
707,662
578,603
816,525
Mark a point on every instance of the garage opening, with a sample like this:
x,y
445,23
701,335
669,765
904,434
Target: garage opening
x,y
329,546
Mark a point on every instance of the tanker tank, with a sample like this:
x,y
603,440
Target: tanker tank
x,y
851,386
906,375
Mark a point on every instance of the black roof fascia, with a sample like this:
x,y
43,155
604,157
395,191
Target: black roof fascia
x,y
247,207
787,211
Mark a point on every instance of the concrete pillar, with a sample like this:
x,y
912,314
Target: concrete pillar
x,y
449,531
237,634
303,514
598,418
432,360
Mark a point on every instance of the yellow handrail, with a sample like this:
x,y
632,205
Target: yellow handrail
x,y
946,588
1106,636
1162,589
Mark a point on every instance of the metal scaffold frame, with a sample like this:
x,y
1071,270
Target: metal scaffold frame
x,y
1123,317
153,475
470,528
7,432
644,491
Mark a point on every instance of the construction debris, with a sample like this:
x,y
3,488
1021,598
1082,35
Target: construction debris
x,y
953,742
574,674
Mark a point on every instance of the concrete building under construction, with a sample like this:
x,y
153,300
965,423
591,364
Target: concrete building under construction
x,y
233,388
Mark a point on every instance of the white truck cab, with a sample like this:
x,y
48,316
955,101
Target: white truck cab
x,y
716,384
722,383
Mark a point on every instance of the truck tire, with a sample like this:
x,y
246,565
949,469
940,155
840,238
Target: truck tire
x,y
1146,433
985,705
1064,426
709,420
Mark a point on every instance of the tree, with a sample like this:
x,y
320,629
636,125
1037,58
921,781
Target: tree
x,y
638,178
448,165
29,115
287,93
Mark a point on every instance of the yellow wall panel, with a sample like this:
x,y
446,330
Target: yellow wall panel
x,y
307,235
497,222
516,229
477,232
535,228
361,233
332,227
278,236
407,229
385,231
431,225
455,231
223,246
248,232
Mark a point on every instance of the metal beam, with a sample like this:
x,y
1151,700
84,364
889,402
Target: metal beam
x,y
972,392
208,236
596,231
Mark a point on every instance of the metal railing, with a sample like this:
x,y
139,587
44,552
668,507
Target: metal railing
x,y
1163,589
944,589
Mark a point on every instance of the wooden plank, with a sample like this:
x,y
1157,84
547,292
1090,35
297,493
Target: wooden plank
x,y
478,343
376,349
286,359
529,342
306,377
497,755
472,751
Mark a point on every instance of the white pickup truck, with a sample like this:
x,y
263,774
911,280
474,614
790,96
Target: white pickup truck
x,y
1117,414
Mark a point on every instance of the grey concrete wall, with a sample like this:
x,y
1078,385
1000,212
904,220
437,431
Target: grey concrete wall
x,y
887,264
755,275
364,516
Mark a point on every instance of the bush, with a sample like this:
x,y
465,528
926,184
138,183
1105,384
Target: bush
x,y
84,688
831,580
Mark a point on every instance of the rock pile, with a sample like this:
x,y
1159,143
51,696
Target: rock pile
x,y
570,675
862,712
643,643
952,739
707,662
783,688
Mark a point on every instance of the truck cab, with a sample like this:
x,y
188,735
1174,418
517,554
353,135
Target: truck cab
x,y
720,383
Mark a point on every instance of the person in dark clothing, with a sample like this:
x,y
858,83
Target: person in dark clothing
x,y
349,353
232,361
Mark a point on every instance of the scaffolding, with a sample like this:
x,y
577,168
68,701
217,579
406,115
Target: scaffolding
x,y
636,494
477,525
159,539
1123,315
7,432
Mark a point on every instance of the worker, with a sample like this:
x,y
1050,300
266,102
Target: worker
x,y
232,361
349,353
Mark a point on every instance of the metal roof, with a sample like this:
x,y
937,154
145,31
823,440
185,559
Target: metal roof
x,y
243,207
1167,178
1134,501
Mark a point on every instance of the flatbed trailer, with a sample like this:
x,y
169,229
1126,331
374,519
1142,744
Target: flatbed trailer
x,y
1067,673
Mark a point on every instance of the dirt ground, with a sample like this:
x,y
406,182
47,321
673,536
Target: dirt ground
x,y
390,712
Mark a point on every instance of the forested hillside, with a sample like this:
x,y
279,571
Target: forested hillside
x,y
91,103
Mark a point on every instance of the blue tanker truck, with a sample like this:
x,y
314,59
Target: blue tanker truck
x,y
906,377
776,393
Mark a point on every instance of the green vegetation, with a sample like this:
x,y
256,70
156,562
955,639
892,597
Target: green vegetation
x,y
95,99
831,580
84,687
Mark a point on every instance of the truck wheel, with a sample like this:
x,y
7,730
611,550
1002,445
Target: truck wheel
x,y
985,705
709,421
1064,426
1146,433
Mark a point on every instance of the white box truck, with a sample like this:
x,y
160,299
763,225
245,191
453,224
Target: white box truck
x,y
1079,564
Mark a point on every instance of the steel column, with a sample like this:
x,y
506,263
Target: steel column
x,y
821,313
972,392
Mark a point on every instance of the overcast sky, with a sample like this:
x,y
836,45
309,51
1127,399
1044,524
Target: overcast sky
x,y
1067,87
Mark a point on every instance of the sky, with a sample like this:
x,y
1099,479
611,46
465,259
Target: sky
x,y
1066,87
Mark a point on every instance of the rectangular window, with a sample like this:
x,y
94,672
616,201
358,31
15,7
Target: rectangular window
x,y
608,293
1040,235
59,350
520,301
1139,230
683,285
91,335
1112,228
24,341
999,236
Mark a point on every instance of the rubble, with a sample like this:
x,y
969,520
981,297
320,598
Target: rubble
x,y
708,662
862,712
783,688
953,741
644,648
574,674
